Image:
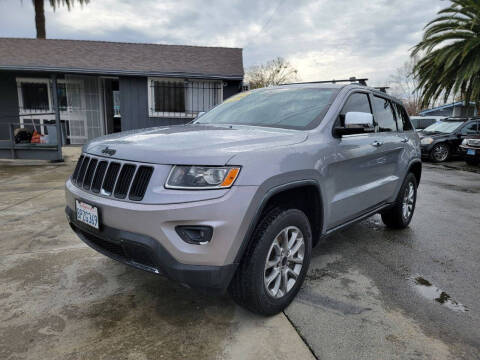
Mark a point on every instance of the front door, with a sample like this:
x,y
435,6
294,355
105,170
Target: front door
x,y
355,178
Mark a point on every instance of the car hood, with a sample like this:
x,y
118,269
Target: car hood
x,y
191,144
422,135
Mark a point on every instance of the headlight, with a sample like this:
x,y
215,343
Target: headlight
x,y
201,177
426,141
464,142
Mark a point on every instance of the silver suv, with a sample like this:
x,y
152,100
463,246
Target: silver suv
x,y
237,198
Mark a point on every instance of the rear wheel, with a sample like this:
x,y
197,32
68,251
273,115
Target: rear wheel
x,y
440,152
401,213
274,266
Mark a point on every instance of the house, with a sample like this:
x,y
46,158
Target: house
x,y
105,87
454,109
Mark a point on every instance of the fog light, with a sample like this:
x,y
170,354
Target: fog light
x,y
198,235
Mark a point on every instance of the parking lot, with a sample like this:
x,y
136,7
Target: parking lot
x,y
371,293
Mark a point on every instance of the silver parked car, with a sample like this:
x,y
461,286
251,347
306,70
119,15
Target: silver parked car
x,y
237,199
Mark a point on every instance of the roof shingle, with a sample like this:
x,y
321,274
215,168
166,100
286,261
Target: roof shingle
x,y
120,58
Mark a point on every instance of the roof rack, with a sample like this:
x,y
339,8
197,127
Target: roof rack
x,y
353,79
382,88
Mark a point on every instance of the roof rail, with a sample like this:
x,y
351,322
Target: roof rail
x,y
382,88
353,79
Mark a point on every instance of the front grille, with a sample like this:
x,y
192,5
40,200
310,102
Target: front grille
x,y
77,168
112,178
83,170
98,179
87,181
140,183
124,180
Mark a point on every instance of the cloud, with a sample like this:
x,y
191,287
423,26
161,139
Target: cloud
x,y
323,39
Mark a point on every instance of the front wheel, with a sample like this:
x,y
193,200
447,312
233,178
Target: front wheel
x,y
274,266
440,152
401,213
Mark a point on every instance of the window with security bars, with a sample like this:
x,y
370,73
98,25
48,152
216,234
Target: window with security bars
x,y
180,98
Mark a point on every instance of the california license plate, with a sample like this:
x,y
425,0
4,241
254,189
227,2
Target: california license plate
x,y
470,152
88,214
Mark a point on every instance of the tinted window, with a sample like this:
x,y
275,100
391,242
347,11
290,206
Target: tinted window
x,y
357,102
470,129
384,114
287,107
406,124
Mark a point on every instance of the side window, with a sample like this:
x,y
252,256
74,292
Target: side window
x,y
406,124
384,114
469,129
357,102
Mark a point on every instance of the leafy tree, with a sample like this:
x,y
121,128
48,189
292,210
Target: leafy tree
x,y
450,65
40,12
274,72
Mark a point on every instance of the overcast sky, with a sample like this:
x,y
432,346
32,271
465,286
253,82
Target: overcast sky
x,y
322,39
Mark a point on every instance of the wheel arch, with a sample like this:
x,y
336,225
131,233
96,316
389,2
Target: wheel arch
x,y
290,195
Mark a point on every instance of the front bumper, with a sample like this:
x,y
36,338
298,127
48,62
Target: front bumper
x,y
425,149
143,252
144,236
463,151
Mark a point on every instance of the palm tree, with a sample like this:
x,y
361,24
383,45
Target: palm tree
x,y
40,13
451,54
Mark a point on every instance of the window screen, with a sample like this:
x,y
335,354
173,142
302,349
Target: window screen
x,y
169,96
384,114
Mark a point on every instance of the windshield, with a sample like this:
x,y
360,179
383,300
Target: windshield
x,y
287,107
443,127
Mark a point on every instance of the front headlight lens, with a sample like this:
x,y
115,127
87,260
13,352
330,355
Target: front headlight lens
x,y
426,140
201,177
464,142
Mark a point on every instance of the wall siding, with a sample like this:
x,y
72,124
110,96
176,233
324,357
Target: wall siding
x,y
134,104
8,102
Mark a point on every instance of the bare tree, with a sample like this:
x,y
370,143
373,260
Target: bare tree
x,y
404,85
274,72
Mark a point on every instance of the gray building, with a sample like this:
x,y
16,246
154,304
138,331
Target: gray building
x,y
105,87
453,109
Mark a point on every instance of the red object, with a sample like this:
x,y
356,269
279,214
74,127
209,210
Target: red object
x,y
35,138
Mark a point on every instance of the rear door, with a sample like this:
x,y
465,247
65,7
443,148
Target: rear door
x,y
352,181
392,144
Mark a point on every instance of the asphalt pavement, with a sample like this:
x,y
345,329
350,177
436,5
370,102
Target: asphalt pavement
x,y
375,293
371,293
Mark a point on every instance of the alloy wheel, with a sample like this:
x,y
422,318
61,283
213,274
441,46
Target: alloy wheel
x,y
284,262
440,152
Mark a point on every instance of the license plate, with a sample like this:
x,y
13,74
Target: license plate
x,y
88,214
470,152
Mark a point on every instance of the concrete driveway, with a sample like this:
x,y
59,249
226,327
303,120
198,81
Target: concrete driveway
x,y
362,299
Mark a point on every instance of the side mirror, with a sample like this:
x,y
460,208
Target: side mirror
x,y
201,113
356,123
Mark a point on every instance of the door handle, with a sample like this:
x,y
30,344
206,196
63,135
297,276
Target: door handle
x,y
377,143
404,140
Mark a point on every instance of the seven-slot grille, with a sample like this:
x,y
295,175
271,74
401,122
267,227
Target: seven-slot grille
x,y
112,178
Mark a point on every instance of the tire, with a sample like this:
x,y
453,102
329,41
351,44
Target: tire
x,y
440,153
397,217
471,161
249,286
